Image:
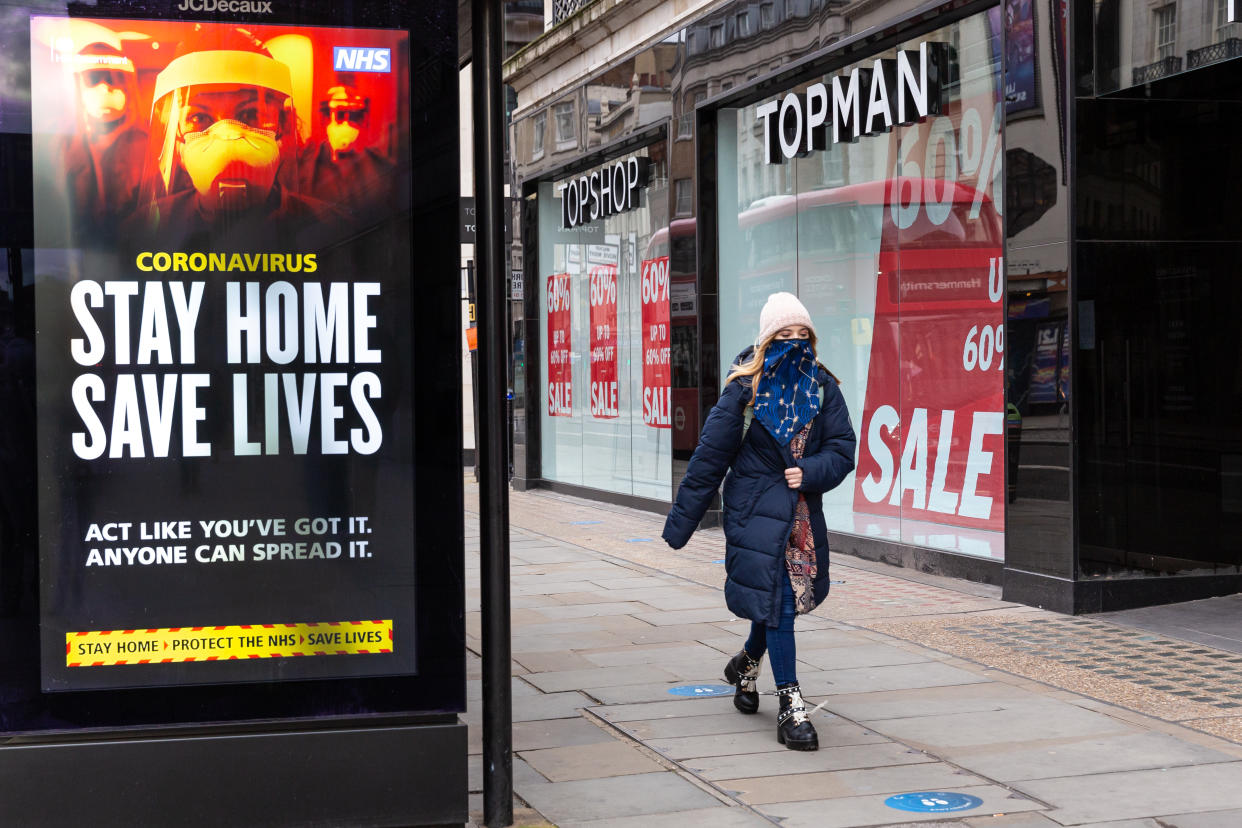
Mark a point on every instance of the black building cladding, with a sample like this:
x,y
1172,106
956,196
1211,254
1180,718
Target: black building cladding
x,y
1156,259
1122,447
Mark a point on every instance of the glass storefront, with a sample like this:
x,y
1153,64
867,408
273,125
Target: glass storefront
x,y
1159,474
1017,292
895,244
604,347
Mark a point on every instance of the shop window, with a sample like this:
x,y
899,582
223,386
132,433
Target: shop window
x,y
565,136
905,285
606,401
684,192
743,24
540,127
1165,26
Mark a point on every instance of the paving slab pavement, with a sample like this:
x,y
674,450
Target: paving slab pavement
x,y
928,684
1213,621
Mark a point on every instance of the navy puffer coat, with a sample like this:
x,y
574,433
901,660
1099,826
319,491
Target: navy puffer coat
x,y
758,503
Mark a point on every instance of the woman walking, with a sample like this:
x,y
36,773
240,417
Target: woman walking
x,y
782,426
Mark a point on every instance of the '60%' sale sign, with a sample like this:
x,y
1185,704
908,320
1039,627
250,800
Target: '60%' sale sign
x,y
603,287
657,378
560,373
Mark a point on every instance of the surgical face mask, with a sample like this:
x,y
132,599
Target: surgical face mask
x,y
341,136
103,102
232,165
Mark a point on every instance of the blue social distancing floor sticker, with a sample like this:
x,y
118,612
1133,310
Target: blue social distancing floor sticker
x,y
702,690
722,560
933,802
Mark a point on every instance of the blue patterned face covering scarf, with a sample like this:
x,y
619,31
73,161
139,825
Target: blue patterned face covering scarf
x,y
787,397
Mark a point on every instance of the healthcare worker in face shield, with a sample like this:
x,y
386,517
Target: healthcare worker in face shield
x,y
103,157
344,168
223,154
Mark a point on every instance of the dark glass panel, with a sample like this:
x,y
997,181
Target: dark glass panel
x,y
1160,481
1158,169
1037,397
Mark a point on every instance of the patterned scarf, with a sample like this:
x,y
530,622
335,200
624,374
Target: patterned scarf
x,y
788,393
800,548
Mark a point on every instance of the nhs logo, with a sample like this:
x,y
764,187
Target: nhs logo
x,y
360,59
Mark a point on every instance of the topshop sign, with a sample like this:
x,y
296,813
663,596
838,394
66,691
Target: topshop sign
x,y
866,101
604,192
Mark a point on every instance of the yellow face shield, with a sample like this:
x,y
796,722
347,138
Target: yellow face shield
x,y
225,115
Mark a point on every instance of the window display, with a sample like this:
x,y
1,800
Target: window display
x,y
895,244
606,356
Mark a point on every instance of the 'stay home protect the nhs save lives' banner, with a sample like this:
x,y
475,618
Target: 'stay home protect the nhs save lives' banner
x,y
223,279
560,372
602,283
657,376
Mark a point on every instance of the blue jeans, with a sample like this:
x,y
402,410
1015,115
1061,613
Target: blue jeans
x,y
778,641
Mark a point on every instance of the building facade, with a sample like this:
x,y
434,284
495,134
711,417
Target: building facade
x,y
985,209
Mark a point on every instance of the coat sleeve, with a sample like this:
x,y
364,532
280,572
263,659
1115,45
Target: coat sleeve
x,y
824,470
718,445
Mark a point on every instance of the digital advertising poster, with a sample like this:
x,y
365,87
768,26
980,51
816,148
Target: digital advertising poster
x,y
602,281
1021,71
560,370
1047,356
224,294
657,364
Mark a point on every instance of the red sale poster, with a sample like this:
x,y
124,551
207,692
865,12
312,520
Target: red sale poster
x,y
602,280
657,379
932,433
560,373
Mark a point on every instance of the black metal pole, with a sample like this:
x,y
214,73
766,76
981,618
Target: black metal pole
x,y
491,264
472,299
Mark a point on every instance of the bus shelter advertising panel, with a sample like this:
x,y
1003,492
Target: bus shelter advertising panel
x,y
224,379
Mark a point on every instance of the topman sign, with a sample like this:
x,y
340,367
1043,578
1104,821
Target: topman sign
x,y
867,101
604,192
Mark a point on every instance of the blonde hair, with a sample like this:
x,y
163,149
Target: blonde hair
x,y
754,366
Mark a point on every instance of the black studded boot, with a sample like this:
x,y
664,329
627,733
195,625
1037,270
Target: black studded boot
x,y
793,729
743,672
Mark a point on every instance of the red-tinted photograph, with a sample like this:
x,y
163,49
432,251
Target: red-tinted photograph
x,y
223,287
214,135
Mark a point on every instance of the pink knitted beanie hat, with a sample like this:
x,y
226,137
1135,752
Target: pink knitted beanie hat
x,y
780,311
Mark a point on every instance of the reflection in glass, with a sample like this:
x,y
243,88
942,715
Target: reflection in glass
x,y
1136,45
602,423
894,243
